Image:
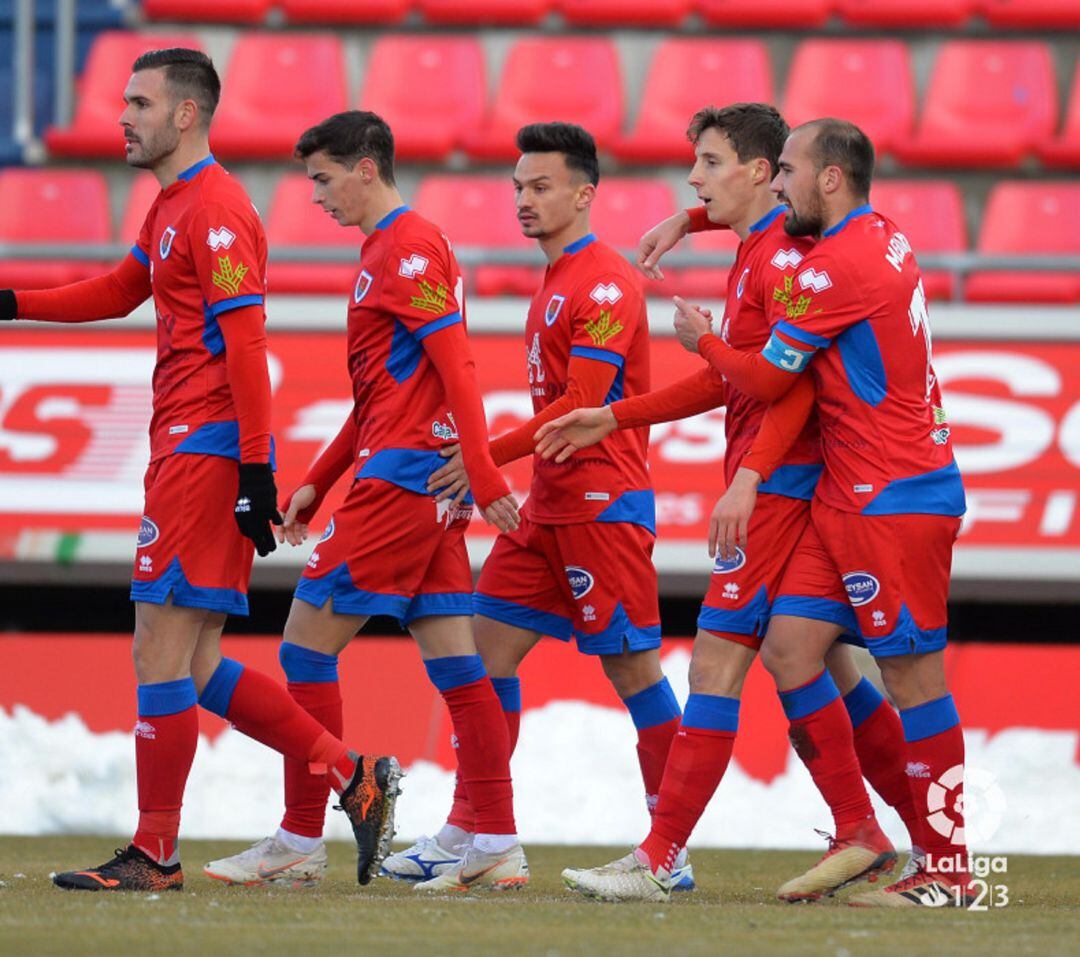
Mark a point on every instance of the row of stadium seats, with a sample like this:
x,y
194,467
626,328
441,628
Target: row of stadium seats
x,y
1020,218
989,103
801,14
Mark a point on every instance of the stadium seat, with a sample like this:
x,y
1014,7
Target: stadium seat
x,y
906,13
1064,150
989,104
792,14
575,79
931,214
294,220
211,11
685,74
625,13
345,11
95,130
51,206
1026,219
450,72
627,207
479,211
485,12
279,85
141,196
1032,13
866,81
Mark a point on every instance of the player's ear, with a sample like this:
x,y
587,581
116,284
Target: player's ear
x,y
186,115
831,178
367,170
586,193
760,171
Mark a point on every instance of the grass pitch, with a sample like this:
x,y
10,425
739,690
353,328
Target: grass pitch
x,y
732,912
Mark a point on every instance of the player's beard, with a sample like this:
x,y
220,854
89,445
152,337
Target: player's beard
x,y
151,149
809,222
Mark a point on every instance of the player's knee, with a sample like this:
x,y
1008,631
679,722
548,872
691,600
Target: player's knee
x,y
632,671
719,667
501,647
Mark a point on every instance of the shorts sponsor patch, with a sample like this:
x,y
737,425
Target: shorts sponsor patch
x,y
148,532
581,580
725,566
861,587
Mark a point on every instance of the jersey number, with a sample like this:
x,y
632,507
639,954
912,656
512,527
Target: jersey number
x,y
920,318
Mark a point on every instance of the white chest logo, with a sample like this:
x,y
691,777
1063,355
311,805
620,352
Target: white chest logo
x,y
536,364
166,241
220,238
812,279
606,292
412,267
786,258
363,284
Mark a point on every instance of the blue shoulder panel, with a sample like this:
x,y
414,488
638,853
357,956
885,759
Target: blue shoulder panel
x,y
865,369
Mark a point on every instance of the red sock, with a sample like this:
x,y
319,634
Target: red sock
x,y
653,747
306,793
880,746
820,732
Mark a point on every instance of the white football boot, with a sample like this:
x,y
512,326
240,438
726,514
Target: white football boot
x,y
626,879
682,877
269,861
426,859
503,870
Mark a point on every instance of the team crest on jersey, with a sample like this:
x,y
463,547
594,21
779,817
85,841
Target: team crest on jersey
x,y
742,283
606,292
415,265
329,533
148,532
603,328
581,581
725,566
861,587
554,307
786,258
363,284
220,238
812,279
166,241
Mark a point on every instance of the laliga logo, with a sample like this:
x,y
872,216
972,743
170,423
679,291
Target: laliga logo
x,y
861,587
979,801
412,267
581,581
725,566
606,292
148,532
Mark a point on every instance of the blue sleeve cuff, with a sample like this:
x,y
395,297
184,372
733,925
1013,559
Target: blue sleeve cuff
x,y
217,308
600,355
140,256
436,324
802,335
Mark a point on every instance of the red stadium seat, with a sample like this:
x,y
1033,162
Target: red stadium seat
x,y
1032,13
866,81
345,11
989,104
1028,219
450,71
684,75
485,12
625,208
637,13
1065,149
931,214
294,220
479,211
906,13
95,130
575,79
792,14
197,11
278,85
144,191
51,206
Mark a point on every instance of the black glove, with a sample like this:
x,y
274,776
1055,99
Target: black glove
x,y
256,505
8,306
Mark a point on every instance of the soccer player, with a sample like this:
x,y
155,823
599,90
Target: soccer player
x,y
755,583
580,565
392,548
887,509
201,254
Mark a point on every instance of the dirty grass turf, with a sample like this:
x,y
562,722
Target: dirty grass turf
x,y
732,912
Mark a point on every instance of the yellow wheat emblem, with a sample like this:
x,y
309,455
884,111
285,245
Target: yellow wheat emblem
x,y
431,298
793,307
601,329
227,276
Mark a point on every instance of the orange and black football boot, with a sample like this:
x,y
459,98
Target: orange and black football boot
x,y
368,800
130,870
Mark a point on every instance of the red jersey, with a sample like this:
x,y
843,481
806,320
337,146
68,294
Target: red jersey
x,y
592,305
856,306
408,287
204,245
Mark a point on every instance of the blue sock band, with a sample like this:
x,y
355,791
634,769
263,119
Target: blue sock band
x,y
509,692
711,712
800,702
926,720
217,695
655,705
862,701
454,671
167,697
303,664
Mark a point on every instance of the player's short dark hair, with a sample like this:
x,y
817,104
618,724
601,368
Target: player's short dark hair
x,y
189,75
754,130
350,137
574,142
841,143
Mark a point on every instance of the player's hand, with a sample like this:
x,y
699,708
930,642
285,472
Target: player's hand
x,y
731,516
293,530
691,323
9,308
450,481
658,240
578,429
503,514
256,505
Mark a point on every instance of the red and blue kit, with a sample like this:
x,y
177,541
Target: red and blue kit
x,y
391,548
581,565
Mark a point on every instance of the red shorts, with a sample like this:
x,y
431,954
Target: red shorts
x,y
189,545
744,592
389,551
594,581
895,569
